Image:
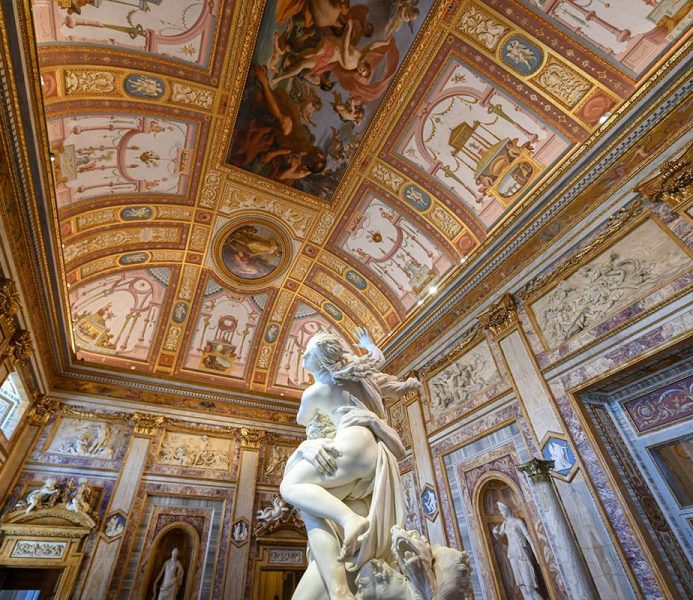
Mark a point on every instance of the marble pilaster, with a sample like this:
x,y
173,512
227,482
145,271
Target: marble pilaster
x,y
243,512
568,556
106,551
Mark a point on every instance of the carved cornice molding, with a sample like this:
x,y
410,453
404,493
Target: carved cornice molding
x,y
614,224
42,408
500,316
9,299
20,347
472,335
146,424
251,438
674,182
537,469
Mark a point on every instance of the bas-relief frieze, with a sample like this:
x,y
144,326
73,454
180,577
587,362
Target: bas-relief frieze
x,y
463,384
86,438
637,264
37,549
195,451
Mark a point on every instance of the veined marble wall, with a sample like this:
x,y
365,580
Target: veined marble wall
x,y
619,296
155,481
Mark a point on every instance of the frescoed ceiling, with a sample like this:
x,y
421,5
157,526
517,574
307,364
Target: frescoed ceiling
x,y
231,176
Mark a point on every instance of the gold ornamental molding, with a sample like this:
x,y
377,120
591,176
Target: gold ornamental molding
x,y
20,347
251,438
500,316
147,424
9,299
42,408
537,469
674,182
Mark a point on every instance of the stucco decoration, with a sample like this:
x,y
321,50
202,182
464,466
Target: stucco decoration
x,y
86,437
641,261
195,451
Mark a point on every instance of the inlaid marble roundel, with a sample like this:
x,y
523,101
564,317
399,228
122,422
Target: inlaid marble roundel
x,y
252,251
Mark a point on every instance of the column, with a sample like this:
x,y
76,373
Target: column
x,y
428,487
242,515
577,579
97,584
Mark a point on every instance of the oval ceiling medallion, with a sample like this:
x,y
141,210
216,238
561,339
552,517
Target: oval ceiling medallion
x,y
252,251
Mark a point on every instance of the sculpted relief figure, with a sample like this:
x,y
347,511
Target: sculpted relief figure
x,y
520,552
171,577
344,478
46,495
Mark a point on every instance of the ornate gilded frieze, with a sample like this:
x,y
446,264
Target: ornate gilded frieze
x,y
500,316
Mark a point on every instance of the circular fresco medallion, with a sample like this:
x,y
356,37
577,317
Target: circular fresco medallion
x,y
252,251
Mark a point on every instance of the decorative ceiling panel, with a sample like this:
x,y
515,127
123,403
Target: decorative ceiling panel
x,y
230,176
318,72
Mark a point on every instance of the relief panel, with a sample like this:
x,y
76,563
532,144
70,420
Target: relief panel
x,y
637,264
195,451
86,438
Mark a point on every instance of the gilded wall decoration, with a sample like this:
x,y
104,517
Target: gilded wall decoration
x,y
116,315
275,460
630,268
195,451
187,94
297,218
469,380
101,155
306,106
88,82
86,437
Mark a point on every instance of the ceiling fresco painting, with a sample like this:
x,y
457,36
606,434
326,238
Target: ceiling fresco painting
x,y
631,33
306,322
183,31
222,340
208,211
117,316
474,141
99,155
398,253
318,73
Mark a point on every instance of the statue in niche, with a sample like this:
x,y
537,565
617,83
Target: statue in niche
x,y
521,553
171,576
345,480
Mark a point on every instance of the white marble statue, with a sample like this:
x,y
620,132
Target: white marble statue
x,y
80,498
344,478
171,577
47,494
520,552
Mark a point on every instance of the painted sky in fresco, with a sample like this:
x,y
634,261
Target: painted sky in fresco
x,y
316,80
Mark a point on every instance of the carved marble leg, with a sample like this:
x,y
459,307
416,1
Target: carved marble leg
x,y
331,575
568,556
311,586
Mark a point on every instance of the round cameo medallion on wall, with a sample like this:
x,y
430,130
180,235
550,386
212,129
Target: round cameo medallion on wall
x,y
252,251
